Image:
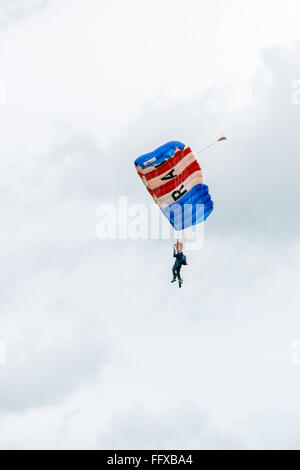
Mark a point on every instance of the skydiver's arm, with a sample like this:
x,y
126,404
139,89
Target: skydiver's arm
x,y
175,250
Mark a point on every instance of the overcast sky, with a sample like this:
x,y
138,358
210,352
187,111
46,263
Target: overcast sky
x,y
101,350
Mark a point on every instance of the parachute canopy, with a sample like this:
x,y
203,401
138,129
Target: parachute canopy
x,y
174,179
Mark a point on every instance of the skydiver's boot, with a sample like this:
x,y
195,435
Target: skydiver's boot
x,y
173,280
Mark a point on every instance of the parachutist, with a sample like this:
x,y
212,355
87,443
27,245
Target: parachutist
x,y
180,261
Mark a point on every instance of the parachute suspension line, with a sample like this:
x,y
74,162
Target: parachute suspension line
x,y
211,145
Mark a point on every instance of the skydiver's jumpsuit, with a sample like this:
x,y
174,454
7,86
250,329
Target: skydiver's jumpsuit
x,y
177,265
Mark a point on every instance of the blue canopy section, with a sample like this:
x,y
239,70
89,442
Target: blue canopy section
x,y
159,155
191,209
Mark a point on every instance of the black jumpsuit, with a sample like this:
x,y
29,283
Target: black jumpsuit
x,y
177,265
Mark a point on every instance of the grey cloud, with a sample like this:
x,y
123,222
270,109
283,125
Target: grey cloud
x,y
184,427
38,374
188,427
273,431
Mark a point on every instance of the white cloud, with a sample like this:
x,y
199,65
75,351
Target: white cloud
x,y
16,10
98,341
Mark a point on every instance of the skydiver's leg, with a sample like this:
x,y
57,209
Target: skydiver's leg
x,y
174,273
